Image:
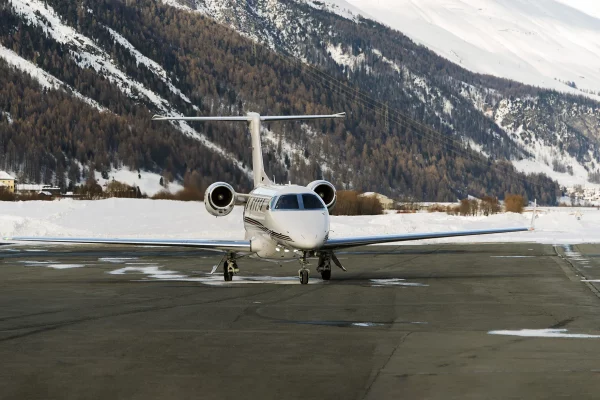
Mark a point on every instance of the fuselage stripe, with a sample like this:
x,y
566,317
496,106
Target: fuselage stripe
x,y
267,230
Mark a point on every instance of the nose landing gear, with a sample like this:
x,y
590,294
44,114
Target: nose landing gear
x,y
303,272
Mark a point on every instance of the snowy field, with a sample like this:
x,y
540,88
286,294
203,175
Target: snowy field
x,y
171,219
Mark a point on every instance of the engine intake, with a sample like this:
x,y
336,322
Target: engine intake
x,y
326,191
219,199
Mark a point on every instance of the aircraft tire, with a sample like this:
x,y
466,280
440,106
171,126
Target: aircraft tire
x,y
304,277
326,274
228,276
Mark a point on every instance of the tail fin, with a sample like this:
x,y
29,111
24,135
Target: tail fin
x,y
253,120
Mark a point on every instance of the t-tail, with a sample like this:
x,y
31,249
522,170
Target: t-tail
x,y
254,120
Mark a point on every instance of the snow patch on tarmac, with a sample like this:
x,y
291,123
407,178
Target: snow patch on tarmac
x,y
512,256
545,333
153,272
394,282
50,264
65,266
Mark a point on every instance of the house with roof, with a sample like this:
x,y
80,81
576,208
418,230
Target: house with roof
x,y
7,182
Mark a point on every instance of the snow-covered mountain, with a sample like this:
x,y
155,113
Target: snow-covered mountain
x,y
548,43
170,59
531,42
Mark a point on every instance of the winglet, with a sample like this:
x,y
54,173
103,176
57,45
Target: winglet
x,y
532,225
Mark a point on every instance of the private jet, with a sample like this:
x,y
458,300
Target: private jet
x,y
281,222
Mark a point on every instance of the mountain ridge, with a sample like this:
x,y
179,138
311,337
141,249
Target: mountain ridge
x,y
546,43
483,91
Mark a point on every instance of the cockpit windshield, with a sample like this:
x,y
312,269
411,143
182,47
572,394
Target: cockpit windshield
x,y
288,202
305,201
312,202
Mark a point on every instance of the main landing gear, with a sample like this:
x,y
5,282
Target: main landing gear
x,y
230,268
324,266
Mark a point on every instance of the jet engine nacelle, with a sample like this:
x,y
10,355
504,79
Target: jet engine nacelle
x,y
326,191
219,199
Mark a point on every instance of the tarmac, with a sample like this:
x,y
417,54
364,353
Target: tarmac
x,y
408,322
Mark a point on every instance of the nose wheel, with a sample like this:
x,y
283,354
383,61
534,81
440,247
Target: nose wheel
x,y
303,271
303,276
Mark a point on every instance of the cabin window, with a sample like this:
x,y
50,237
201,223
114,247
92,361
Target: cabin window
x,y
288,202
312,202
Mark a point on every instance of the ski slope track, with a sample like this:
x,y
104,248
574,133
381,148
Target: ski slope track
x,y
87,54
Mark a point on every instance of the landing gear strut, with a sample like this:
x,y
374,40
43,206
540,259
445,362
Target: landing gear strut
x,y
303,271
230,268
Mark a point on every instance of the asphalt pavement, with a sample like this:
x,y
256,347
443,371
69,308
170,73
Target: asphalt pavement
x,y
408,322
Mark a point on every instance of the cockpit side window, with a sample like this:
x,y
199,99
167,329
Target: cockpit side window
x,y
287,202
312,202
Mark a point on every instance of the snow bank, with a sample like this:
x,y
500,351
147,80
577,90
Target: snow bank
x,y
172,219
148,182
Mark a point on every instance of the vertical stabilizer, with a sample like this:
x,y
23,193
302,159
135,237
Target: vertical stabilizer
x,y
258,167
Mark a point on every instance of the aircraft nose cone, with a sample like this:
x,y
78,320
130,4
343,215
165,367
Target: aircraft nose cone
x,y
310,242
307,229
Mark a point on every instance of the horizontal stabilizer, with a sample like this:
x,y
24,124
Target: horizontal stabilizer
x,y
301,117
248,118
232,118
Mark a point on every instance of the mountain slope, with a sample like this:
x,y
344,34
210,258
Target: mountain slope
x,y
426,87
546,43
141,57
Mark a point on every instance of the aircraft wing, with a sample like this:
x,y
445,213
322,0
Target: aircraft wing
x,y
340,243
216,245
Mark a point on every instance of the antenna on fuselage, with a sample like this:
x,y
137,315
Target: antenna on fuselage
x,y
253,119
